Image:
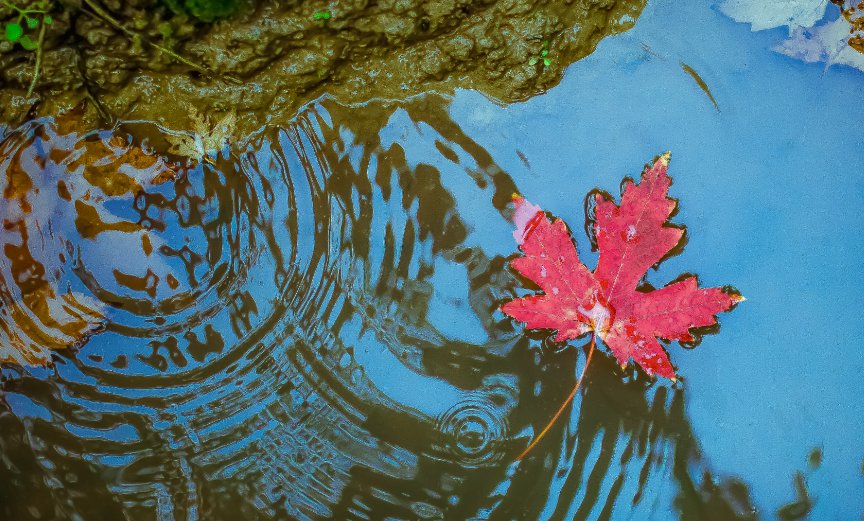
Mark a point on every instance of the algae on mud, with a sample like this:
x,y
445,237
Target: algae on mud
x,y
285,57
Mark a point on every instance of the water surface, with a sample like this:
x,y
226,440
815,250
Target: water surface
x,y
314,333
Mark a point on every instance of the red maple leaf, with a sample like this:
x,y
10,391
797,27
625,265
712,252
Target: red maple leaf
x,y
609,301
612,302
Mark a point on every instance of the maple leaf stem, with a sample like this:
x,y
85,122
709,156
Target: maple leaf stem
x,y
563,405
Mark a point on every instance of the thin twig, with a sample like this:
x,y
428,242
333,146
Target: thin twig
x,y
15,7
38,66
105,116
563,405
132,34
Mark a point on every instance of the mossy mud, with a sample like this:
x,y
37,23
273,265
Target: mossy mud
x,y
270,58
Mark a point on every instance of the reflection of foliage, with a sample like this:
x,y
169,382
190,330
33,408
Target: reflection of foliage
x,y
40,314
79,492
801,507
646,439
627,461
274,424
644,435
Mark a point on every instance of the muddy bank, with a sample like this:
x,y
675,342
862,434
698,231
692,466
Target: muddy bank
x,y
273,57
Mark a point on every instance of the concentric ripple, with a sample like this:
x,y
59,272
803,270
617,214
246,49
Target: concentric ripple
x,y
255,319
474,431
305,327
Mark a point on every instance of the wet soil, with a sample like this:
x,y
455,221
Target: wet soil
x,y
275,57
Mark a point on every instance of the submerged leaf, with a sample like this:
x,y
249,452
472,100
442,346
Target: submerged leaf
x,y
207,139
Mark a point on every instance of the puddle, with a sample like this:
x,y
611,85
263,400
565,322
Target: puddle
x,y
305,325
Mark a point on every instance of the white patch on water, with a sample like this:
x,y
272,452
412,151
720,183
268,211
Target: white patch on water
x,y
807,42
761,14
827,43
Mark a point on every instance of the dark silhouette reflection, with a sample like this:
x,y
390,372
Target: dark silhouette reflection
x,y
308,329
25,491
802,505
632,442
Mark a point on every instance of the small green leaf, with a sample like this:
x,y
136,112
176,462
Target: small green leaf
x,y
544,52
32,23
547,62
27,43
321,15
532,61
48,20
14,32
